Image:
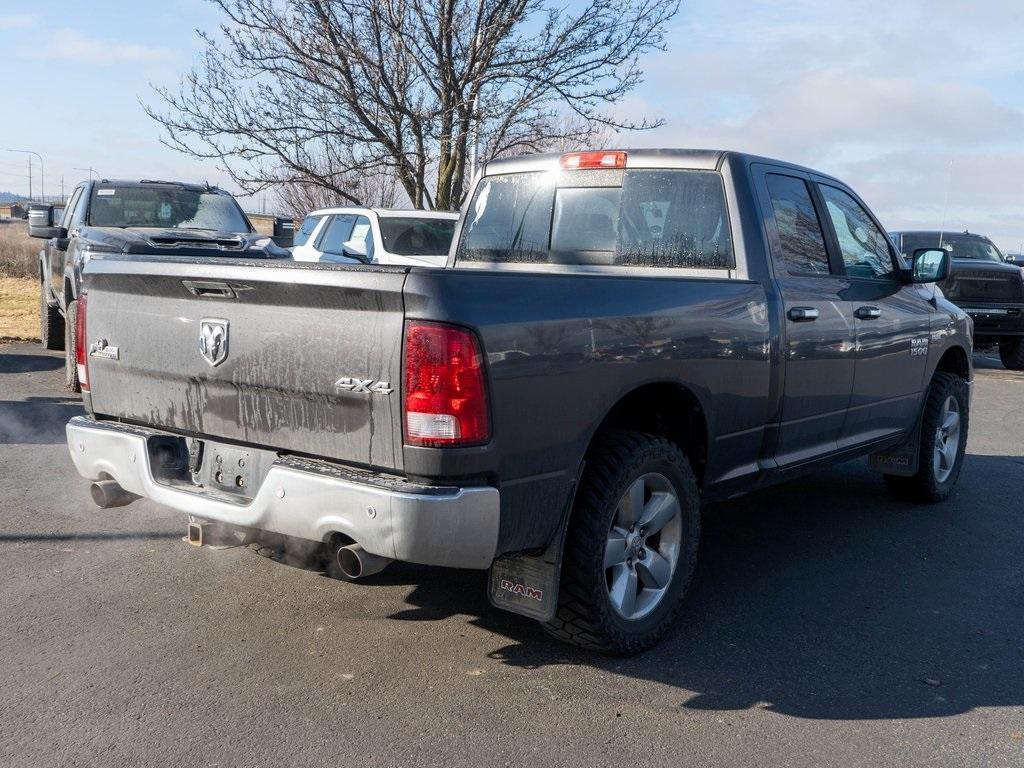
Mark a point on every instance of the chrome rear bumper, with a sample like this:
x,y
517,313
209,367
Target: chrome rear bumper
x,y
455,527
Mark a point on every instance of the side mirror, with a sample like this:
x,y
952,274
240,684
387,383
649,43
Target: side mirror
x,y
40,222
1017,259
930,265
355,249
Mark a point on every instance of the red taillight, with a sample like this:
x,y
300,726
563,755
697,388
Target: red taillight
x,y
445,393
578,160
81,345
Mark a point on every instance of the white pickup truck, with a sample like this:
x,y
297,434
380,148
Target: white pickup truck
x,y
376,236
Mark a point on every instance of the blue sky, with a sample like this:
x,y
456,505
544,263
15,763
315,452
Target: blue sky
x,y
919,104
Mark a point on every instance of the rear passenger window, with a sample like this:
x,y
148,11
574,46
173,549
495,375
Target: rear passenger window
x,y
800,236
639,218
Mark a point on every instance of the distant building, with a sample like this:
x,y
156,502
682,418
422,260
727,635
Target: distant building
x,y
280,228
13,211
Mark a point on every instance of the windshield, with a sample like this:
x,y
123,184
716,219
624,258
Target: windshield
x,y
638,218
410,236
308,225
959,246
165,208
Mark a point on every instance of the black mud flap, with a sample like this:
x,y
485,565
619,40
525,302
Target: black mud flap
x,y
526,583
902,459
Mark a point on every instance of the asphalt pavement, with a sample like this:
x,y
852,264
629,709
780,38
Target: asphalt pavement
x,y
827,625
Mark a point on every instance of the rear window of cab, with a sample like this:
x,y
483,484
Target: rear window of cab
x,y
618,218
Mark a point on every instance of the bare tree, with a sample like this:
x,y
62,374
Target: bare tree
x,y
321,91
298,198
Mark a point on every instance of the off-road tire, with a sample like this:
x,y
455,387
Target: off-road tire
x,y
584,616
71,382
51,322
925,486
1012,354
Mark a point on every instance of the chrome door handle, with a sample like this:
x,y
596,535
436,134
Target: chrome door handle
x,y
802,314
868,313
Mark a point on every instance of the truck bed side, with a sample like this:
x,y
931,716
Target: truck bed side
x,y
563,349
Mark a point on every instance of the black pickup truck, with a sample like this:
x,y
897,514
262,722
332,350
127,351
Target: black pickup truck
x,y
617,337
986,284
131,217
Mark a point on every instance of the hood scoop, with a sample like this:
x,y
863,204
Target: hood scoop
x,y
185,241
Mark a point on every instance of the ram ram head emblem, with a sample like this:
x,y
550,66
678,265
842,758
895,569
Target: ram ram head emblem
x,y
213,340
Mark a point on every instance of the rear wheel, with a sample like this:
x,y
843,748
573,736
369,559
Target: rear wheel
x,y
1012,354
51,323
70,364
631,547
943,440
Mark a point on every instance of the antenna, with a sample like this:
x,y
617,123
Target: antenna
x,y
945,202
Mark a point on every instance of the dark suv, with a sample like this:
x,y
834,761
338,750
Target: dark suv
x,y
130,217
984,283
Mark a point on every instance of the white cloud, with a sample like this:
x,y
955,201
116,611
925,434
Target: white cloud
x,y
918,104
71,45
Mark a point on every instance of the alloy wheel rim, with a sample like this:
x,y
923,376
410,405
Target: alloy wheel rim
x,y
947,440
643,544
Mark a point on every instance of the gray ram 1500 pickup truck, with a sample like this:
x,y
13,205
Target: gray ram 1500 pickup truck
x,y
618,335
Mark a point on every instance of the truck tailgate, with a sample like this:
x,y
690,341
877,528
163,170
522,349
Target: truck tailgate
x,y
289,337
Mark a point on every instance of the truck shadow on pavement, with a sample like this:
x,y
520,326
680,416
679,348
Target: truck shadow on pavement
x,y
820,599
37,420
30,363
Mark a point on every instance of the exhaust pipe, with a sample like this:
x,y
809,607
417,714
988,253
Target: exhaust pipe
x,y
107,494
355,562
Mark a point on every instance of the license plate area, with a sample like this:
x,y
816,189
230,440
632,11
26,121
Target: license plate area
x,y
229,468
209,466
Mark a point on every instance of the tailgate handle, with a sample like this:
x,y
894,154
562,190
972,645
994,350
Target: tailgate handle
x,y
209,290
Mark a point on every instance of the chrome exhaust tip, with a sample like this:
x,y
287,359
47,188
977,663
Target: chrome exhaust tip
x,y
355,562
107,494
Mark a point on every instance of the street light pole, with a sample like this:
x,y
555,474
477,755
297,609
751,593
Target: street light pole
x,y
42,172
90,170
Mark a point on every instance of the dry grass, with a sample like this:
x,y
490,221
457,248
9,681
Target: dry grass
x,y
19,253
19,308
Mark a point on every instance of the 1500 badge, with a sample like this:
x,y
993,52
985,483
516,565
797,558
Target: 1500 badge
x,y
919,346
101,348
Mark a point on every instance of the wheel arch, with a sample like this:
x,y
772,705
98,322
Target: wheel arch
x,y
955,360
665,408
